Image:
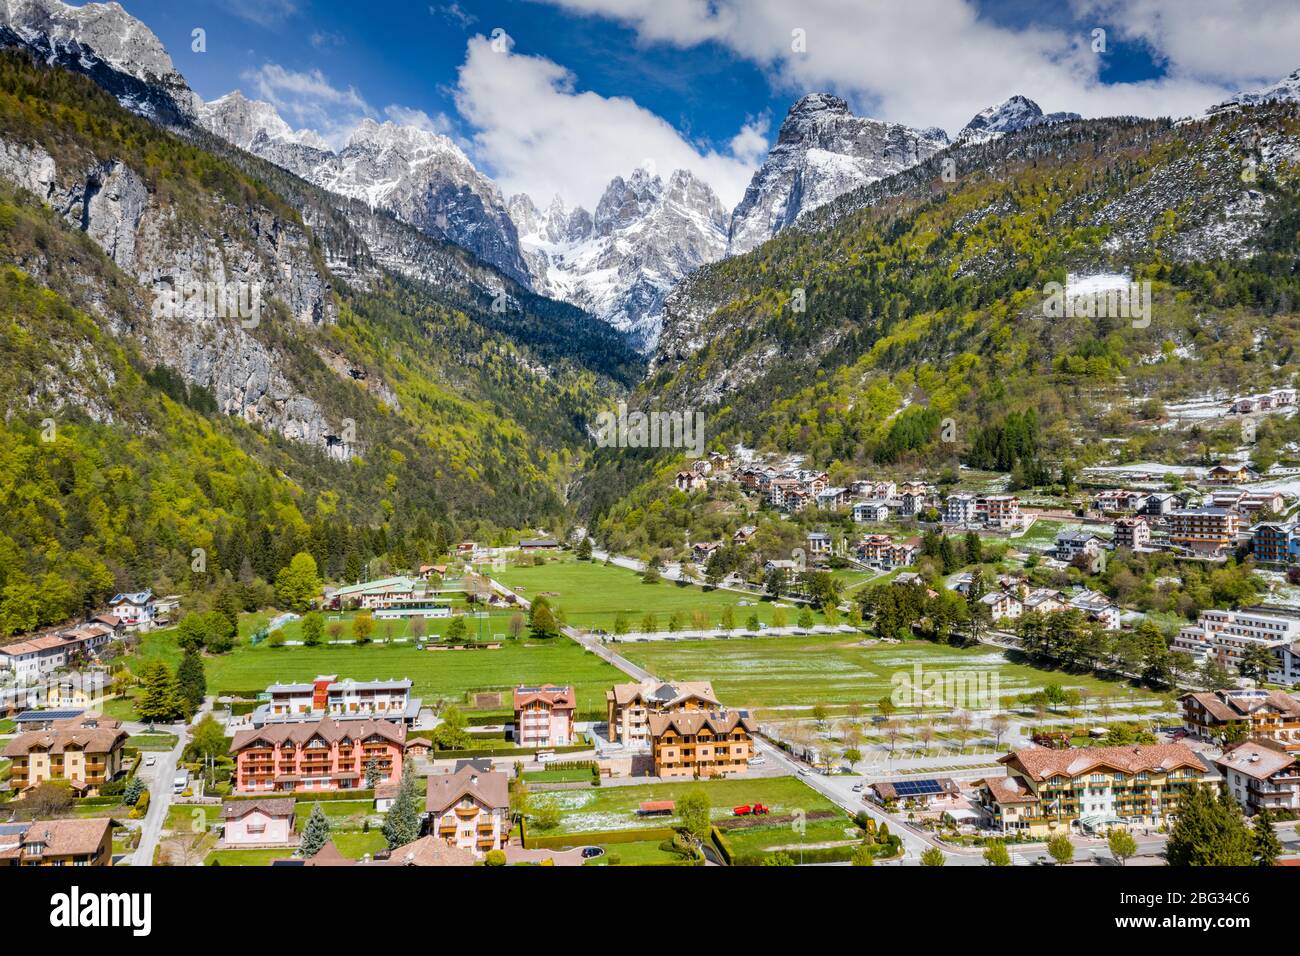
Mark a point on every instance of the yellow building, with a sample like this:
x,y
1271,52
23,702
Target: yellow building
x,y
701,743
1047,791
57,843
629,707
86,751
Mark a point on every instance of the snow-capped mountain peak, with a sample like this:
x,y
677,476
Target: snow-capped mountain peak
x,y
105,42
239,120
1286,89
1009,116
822,151
619,263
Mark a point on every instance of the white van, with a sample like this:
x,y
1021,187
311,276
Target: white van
x,y
179,784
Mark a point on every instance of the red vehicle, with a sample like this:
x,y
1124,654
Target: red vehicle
x,y
746,809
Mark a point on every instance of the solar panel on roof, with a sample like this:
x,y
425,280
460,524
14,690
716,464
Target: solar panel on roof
x,y
28,716
917,788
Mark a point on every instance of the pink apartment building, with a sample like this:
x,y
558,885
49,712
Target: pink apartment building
x,y
317,755
544,716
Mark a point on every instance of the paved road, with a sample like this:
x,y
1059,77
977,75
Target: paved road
x,y
159,779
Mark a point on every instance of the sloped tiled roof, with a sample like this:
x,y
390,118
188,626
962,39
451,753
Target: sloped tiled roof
x,y
1040,763
490,789
329,729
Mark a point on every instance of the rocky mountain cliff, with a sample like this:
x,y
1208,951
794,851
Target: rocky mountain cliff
x,y
821,152
1009,116
104,42
421,177
621,261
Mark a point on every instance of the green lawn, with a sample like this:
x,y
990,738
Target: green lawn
x,y
558,776
343,814
7,726
436,675
247,857
638,853
592,595
192,817
603,809
782,671
156,742
356,844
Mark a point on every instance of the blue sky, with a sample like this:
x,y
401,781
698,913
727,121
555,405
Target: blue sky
x,y
584,89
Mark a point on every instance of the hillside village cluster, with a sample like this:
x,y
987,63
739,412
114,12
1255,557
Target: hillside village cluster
x,y
339,737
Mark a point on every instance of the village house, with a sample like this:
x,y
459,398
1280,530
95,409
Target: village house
x,y
31,661
469,808
1228,634
544,715
630,706
701,551
819,545
743,534
1093,788
1204,531
690,481
328,755
75,842
341,699
1002,606
86,751
959,509
1097,607
1161,503
264,821
1132,533
136,609
1121,500
833,498
1230,474
1262,775
1073,544
1002,512
870,512
1218,715
1276,542
701,744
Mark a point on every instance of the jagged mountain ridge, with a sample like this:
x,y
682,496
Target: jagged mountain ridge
x,y
621,261
1009,116
104,42
421,177
822,151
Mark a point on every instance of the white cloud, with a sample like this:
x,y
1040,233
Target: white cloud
x,y
537,133
1238,42
406,116
937,62
455,14
264,13
308,99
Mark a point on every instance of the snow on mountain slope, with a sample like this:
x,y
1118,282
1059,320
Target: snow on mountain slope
x,y
821,152
1009,116
106,43
421,177
620,263
1286,89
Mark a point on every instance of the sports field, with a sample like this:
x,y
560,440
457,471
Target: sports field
x,y
592,594
436,675
795,672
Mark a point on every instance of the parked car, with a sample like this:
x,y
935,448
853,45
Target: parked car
x,y
803,771
859,787
591,852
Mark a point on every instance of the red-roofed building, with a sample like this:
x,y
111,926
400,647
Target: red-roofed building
x,y
544,716
1095,788
325,755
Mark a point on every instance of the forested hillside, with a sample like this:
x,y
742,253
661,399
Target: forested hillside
x,y
918,300
373,415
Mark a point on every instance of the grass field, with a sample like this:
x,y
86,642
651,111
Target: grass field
x,y
445,675
592,595
155,742
636,853
614,808
776,672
